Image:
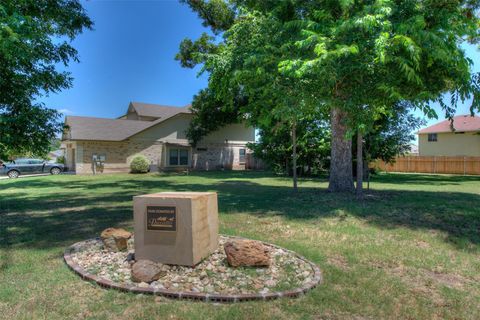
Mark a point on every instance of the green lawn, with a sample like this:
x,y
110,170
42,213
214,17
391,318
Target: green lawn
x,y
410,250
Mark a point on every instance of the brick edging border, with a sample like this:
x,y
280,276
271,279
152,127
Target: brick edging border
x,y
199,296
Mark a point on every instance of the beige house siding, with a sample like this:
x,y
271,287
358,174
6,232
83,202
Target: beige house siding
x,y
450,144
172,129
233,133
219,150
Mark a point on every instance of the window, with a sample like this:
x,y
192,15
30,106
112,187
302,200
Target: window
x,y
35,161
241,157
432,137
183,157
178,157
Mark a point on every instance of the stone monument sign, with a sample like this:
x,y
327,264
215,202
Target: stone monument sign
x,y
175,227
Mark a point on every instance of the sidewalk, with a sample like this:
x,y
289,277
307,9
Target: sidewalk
x,y
35,175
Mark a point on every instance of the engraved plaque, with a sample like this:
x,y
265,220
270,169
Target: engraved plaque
x,y
161,218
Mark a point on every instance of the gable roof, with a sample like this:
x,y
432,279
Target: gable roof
x,y
157,110
462,123
103,129
89,128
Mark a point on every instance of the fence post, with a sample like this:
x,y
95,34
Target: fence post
x,y
464,166
434,164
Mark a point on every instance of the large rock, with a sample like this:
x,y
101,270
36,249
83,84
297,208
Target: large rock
x,y
115,239
147,271
247,253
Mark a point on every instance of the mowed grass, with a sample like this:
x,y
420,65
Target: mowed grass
x,y
410,250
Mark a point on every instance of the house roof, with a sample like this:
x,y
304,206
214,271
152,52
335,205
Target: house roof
x,y
89,128
156,110
103,129
462,123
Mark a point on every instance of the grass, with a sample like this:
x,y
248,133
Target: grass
x,y
410,250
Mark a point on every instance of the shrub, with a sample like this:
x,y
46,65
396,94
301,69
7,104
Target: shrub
x,y
139,164
61,159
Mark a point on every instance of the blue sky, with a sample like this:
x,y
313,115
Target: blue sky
x,y
129,56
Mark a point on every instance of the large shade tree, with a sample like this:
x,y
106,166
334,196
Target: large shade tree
x,y
354,59
35,36
370,55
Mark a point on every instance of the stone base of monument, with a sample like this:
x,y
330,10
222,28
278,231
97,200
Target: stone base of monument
x,y
212,279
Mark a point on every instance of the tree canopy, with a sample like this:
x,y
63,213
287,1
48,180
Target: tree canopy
x,y
356,60
34,37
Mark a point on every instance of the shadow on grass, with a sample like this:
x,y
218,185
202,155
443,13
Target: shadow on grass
x,y
79,209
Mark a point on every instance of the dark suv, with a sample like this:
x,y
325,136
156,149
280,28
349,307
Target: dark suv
x,y
29,166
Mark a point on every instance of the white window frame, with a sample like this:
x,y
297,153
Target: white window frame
x,y
240,156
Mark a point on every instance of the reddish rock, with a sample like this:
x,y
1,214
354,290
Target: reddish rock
x,y
146,271
247,253
115,239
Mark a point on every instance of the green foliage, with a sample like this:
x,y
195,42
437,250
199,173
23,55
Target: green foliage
x,y
365,57
61,160
34,37
139,164
55,144
216,14
392,134
313,146
290,58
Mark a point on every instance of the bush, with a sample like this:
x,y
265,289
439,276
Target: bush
x,y
139,164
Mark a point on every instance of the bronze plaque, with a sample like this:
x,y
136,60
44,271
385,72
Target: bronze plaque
x,y
161,218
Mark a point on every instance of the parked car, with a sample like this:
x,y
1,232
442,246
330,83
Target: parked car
x,y
29,166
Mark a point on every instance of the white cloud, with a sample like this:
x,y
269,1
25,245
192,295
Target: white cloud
x,y
66,111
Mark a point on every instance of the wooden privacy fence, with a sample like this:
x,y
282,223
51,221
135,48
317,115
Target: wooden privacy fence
x,y
252,163
437,164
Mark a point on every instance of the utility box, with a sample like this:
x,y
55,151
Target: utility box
x,y
179,228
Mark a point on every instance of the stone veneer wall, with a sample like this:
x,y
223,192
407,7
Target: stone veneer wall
x,y
119,154
217,156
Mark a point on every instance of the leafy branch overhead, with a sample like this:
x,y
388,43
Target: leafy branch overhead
x,y
34,37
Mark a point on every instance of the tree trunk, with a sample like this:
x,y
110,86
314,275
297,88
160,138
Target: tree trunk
x,y
294,151
341,175
359,164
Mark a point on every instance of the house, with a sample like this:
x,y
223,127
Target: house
x,y
158,132
440,140
55,154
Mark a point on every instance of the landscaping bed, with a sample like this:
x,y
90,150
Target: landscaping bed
x,y
213,279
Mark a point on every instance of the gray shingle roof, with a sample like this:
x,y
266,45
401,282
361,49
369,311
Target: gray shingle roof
x,y
156,110
89,128
102,129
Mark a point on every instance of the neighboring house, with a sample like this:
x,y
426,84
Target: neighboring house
x,y
440,140
159,133
54,155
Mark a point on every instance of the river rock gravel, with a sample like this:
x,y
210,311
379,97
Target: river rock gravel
x,y
213,275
